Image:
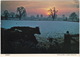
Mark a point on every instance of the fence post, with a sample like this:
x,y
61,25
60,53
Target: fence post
x,y
67,42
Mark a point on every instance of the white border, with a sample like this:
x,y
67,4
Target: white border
x,y
37,55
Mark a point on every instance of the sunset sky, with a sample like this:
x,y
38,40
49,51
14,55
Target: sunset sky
x,y
41,6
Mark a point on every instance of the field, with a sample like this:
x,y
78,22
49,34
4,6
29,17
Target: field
x,y
48,29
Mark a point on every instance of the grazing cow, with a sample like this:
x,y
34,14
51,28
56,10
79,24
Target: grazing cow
x,y
22,35
26,33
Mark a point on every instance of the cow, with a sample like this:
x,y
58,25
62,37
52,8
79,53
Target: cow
x,y
19,35
26,32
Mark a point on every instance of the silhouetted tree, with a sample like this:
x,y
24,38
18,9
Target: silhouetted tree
x,y
6,14
12,14
21,12
41,15
53,13
73,16
37,15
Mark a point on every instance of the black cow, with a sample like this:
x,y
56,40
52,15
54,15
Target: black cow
x,y
17,34
27,33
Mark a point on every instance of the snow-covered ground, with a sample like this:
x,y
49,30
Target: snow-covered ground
x,y
47,28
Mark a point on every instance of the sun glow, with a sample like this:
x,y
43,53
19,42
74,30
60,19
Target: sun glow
x,y
48,13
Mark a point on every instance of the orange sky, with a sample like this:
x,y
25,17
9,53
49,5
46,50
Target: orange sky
x,y
41,7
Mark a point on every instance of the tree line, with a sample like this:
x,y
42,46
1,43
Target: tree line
x,y
21,12
53,13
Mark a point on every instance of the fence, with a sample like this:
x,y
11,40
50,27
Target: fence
x,y
67,41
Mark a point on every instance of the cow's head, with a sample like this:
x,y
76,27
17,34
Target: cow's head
x,y
37,31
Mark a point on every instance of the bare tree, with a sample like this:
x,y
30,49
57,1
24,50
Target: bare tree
x,y
21,12
53,12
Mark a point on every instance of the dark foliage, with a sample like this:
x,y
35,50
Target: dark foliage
x,y
21,12
6,14
22,40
